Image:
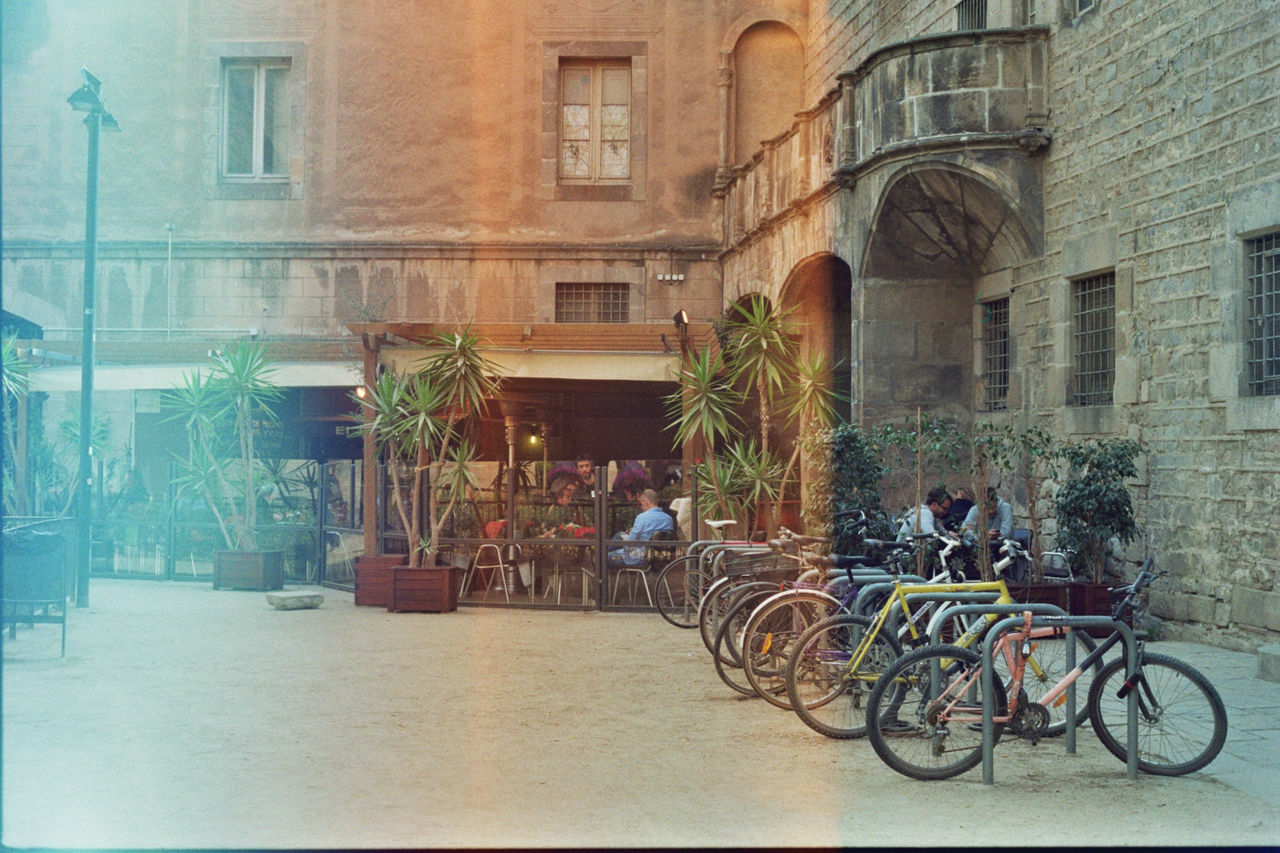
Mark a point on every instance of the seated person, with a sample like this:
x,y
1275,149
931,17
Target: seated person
x,y
959,509
652,519
563,513
930,514
586,467
999,524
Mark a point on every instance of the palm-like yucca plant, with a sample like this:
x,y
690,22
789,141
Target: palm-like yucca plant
x,y
237,392
16,383
809,402
762,350
418,417
704,411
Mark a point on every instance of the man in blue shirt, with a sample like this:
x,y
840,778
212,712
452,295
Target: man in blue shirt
x,y
999,520
652,519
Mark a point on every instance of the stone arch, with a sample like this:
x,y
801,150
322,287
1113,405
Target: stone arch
x,y
937,231
818,293
768,85
936,215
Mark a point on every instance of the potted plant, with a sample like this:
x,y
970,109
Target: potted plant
x,y
418,418
1094,509
220,409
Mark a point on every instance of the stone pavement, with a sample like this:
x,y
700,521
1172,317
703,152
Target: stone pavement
x,y
1250,760
184,717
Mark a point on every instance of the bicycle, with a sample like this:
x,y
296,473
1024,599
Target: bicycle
x,y
680,586
835,663
1181,718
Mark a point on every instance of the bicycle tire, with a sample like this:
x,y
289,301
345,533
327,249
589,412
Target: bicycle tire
x,y
1050,657
716,603
678,591
930,728
823,692
1182,723
729,665
770,632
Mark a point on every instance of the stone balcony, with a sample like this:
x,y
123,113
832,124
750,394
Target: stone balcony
x,y
980,88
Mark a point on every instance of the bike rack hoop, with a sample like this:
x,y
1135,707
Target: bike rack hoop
x,y
1052,621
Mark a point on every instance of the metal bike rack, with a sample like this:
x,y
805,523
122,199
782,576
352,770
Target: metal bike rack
x,y
867,591
1016,609
1055,621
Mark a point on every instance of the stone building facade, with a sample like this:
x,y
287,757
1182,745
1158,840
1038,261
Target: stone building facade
x,y
1094,183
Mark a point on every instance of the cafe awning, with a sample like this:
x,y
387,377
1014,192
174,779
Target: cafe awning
x,y
142,377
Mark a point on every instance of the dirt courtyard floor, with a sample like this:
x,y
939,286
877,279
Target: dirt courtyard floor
x,y
184,717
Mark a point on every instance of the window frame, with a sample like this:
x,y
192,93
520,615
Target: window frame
x,y
601,296
996,354
1262,326
260,67
597,68
288,187
556,52
1093,298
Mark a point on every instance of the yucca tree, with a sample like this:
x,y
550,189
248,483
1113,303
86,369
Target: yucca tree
x,y
809,403
763,352
16,383
418,417
237,392
705,409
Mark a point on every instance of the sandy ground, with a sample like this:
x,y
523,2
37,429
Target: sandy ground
x,y
185,717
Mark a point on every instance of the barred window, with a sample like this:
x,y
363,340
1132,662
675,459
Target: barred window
x,y
971,15
1094,299
1263,351
995,354
590,302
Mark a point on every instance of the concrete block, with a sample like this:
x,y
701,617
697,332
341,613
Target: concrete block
x,y
296,600
1269,663
1200,608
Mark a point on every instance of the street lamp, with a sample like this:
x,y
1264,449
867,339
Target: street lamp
x,y
88,99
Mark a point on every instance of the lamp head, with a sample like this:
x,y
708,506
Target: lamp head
x,y
681,319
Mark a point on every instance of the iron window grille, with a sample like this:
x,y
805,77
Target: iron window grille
x,y
971,15
592,302
1263,255
995,354
1095,326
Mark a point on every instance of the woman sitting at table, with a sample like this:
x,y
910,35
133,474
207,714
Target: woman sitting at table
x,y
563,515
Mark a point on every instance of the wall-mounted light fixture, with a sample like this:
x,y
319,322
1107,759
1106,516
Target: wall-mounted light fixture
x,y
681,319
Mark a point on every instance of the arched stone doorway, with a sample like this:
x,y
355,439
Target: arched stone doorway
x,y
938,230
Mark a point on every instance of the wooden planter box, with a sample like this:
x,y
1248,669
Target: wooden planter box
x,y
433,590
1077,598
373,577
260,570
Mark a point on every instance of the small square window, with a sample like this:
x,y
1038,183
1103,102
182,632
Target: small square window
x,y
590,302
1262,336
1094,301
995,354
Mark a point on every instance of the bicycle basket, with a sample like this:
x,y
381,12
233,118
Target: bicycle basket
x,y
758,565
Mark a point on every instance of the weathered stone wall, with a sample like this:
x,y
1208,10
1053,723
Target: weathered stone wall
x,y
1165,156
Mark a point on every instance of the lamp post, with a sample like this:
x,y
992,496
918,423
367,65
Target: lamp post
x,y
88,99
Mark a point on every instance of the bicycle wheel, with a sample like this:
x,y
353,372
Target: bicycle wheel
x,y
715,605
1046,666
1182,723
928,712
727,658
771,631
678,590
824,689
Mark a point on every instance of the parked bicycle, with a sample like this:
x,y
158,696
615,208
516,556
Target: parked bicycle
x,y
928,704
